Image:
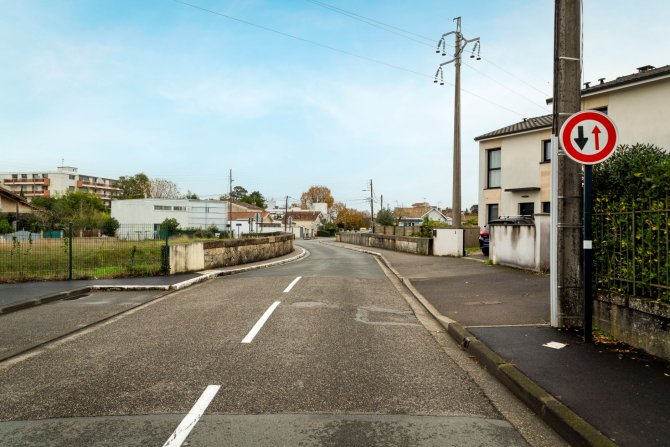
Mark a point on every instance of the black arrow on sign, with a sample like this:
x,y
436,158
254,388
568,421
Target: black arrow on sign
x,y
580,140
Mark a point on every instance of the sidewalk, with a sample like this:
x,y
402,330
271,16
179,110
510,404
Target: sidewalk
x,y
18,296
591,394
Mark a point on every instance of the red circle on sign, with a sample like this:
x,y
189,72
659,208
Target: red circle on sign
x,y
569,145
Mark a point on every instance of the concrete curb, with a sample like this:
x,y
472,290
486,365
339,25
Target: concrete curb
x,y
77,293
565,422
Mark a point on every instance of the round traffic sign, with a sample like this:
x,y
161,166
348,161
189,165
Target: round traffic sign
x,y
588,137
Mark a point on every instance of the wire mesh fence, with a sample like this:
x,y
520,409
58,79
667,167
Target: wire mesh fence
x,y
78,253
631,248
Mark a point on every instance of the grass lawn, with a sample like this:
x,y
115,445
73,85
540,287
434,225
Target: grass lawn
x,y
92,258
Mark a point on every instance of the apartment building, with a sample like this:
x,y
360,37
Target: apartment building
x,y
30,184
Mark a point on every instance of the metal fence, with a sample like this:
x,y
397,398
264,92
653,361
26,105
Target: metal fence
x,y
77,253
631,248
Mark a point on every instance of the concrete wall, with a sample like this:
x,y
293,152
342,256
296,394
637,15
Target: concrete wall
x,y
187,257
524,246
227,252
641,323
415,245
448,242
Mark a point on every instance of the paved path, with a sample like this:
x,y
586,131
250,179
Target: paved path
x,y
622,393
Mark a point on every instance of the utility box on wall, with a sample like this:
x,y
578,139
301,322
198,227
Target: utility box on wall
x,y
448,242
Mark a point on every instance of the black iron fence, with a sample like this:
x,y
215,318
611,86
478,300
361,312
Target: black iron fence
x,y
77,253
631,248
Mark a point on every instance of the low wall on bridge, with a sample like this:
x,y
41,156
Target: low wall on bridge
x,y
228,252
415,245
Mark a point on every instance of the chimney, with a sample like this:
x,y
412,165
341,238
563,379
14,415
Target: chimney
x,y
601,80
587,84
645,68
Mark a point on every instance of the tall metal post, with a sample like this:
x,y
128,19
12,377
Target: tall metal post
x,y
71,238
588,254
567,100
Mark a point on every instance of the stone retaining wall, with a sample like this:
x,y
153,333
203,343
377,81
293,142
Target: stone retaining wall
x,y
640,323
227,252
415,245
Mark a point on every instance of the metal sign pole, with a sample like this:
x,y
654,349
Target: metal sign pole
x,y
587,254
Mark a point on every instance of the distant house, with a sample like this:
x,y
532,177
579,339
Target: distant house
x,y
13,205
303,224
414,216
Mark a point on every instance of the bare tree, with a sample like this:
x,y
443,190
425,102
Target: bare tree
x,y
164,189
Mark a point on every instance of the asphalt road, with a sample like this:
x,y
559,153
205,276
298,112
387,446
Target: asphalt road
x,y
322,352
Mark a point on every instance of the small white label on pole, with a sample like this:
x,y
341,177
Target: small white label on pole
x,y
588,245
555,345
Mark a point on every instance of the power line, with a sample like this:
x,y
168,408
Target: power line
x,y
377,24
301,39
338,50
516,77
544,108
390,28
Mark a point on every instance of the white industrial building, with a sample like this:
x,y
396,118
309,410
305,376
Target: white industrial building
x,y
141,218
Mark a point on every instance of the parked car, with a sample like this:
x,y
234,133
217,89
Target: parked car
x,y
509,220
484,241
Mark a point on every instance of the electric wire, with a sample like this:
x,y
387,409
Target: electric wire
x,y
433,41
301,39
374,22
532,101
338,50
391,28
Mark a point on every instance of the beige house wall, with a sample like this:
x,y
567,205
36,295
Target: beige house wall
x,y
641,113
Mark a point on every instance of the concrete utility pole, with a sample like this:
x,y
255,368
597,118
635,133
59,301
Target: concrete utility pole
x,y
567,274
285,213
459,46
372,207
230,201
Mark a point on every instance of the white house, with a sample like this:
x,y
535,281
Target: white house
x,y
414,216
141,218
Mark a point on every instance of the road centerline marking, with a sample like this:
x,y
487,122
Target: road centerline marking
x,y
177,438
259,324
290,286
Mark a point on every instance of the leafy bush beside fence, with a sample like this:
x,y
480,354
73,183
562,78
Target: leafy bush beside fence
x,y
631,222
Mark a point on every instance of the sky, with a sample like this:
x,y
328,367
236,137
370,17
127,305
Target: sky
x,y
292,93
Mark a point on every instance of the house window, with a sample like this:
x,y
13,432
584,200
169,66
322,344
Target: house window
x,y
492,211
162,208
546,207
179,208
15,176
24,175
71,177
493,166
45,175
527,209
546,151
